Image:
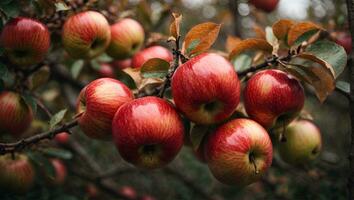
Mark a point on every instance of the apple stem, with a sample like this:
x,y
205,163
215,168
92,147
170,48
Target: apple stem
x,y
256,171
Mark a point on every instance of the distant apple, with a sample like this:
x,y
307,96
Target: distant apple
x,y
128,192
345,40
151,52
60,172
62,138
122,64
106,70
265,5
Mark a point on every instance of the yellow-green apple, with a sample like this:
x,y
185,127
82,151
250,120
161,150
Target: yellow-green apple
x,y
106,70
16,175
265,5
148,132
151,52
128,192
97,104
62,138
206,89
86,34
239,152
127,37
302,144
122,64
60,172
345,40
273,98
15,114
25,41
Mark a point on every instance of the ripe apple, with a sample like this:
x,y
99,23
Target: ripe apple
x,y
239,152
106,70
273,98
98,102
206,89
128,192
62,138
148,132
265,5
86,35
151,52
127,37
25,41
92,191
60,172
302,143
345,40
16,175
15,115
147,197
122,64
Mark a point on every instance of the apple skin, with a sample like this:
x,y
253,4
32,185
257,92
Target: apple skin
x,y
265,5
122,64
106,70
151,52
86,35
62,138
148,132
128,192
98,102
303,143
15,115
273,98
60,172
206,89
16,176
25,41
345,40
127,37
229,148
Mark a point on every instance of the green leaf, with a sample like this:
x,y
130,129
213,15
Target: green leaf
x,y
304,37
58,153
57,118
155,68
198,132
104,58
30,101
330,52
192,46
42,163
125,78
61,6
242,62
344,86
76,68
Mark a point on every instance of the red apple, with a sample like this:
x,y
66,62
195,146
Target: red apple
x,y
15,115
60,171
128,192
148,132
273,98
147,197
239,152
345,40
151,52
265,5
106,70
122,64
206,89
92,191
98,102
62,138
86,35
127,37
302,142
26,41
16,175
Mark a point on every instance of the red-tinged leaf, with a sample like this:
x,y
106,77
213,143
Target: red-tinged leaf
x,y
231,42
155,68
200,38
175,25
299,29
251,44
281,28
259,31
317,60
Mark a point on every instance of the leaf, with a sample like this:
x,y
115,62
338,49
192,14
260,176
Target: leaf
x,y
175,25
299,29
192,46
197,134
104,58
57,118
76,68
231,42
40,77
30,101
242,62
125,78
307,37
58,153
205,34
281,28
330,52
42,163
155,68
317,60
259,32
61,6
251,44
271,39
344,86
